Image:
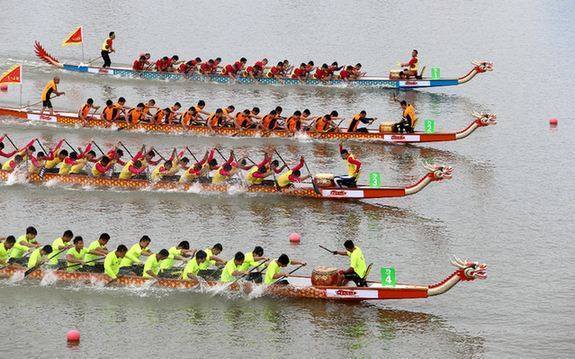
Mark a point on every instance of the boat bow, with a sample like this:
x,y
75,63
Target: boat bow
x,y
481,120
436,173
467,271
479,67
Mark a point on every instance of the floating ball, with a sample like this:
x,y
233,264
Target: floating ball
x,y
553,122
4,88
294,238
73,336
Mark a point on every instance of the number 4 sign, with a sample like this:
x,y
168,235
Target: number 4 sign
x,y
388,277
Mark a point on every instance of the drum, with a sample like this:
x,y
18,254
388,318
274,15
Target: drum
x,y
394,74
326,277
324,179
386,127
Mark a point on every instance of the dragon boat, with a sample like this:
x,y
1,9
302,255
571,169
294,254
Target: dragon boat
x,y
298,287
365,82
321,189
386,136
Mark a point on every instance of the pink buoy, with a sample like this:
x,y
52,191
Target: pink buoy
x,y
553,122
73,335
4,88
294,238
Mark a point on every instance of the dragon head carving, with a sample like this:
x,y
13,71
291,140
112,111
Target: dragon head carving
x,y
485,119
438,172
483,66
470,270
45,56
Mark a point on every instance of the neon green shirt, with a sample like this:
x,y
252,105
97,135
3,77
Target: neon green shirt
x,y
35,258
90,257
112,265
249,262
192,268
273,269
19,250
169,262
151,263
207,263
228,272
77,255
4,253
357,262
56,247
133,255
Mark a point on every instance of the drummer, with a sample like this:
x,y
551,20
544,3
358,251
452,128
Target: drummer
x,y
357,270
353,169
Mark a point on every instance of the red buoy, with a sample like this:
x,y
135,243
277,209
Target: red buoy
x,y
294,238
73,335
4,88
553,122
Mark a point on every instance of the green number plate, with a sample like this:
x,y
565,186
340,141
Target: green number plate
x,y
374,180
429,126
388,277
435,73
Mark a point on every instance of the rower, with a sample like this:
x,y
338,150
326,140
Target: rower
x,y
357,73
147,116
253,259
140,63
194,265
108,113
410,68
273,272
300,73
228,119
216,119
258,173
59,245
207,67
347,73
216,65
269,121
37,163
191,118
113,261
39,256
135,115
233,70
115,155
131,261
80,165
161,170
353,169
253,72
357,269
287,68
223,173
194,172
408,120
231,270
75,255
211,257
167,115
305,117
84,113
310,66
97,249
55,157
262,64
5,248
200,108
293,175
131,169
360,118
152,266
293,123
276,71
107,49
243,120
73,159
102,167
322,73
162,64
12,164
179,252
51,87
24,244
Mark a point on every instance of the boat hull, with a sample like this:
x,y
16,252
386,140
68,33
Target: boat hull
x,y
69,119
367,82
298,289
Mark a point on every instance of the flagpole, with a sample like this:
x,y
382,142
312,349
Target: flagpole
x,y
21,83
82,34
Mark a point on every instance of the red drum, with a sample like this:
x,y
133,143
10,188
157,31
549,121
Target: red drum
x,y
326,277
324,179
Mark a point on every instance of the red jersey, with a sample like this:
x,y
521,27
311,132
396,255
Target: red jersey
x,y
299,73
230,69
161,64
138,65
320,74
344,74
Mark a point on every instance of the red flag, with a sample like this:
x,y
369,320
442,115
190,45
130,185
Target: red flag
x,y
12,76
75,38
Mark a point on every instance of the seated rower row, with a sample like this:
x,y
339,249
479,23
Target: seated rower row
x,y
69,253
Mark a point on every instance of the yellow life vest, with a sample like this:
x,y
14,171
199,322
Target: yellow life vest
x,y
65,168
351,167
79,166
50,164
250,176
218,177
157,175
125,173
105,45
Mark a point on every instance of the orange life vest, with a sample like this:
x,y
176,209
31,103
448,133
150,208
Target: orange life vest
x,y
134,116
108,113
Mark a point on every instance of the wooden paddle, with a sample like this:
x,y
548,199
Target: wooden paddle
x,y
81,264
36,103
293,271
329,250
69,145
191,153
38,266
11,142
98,147
250,271
127,150
42,147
